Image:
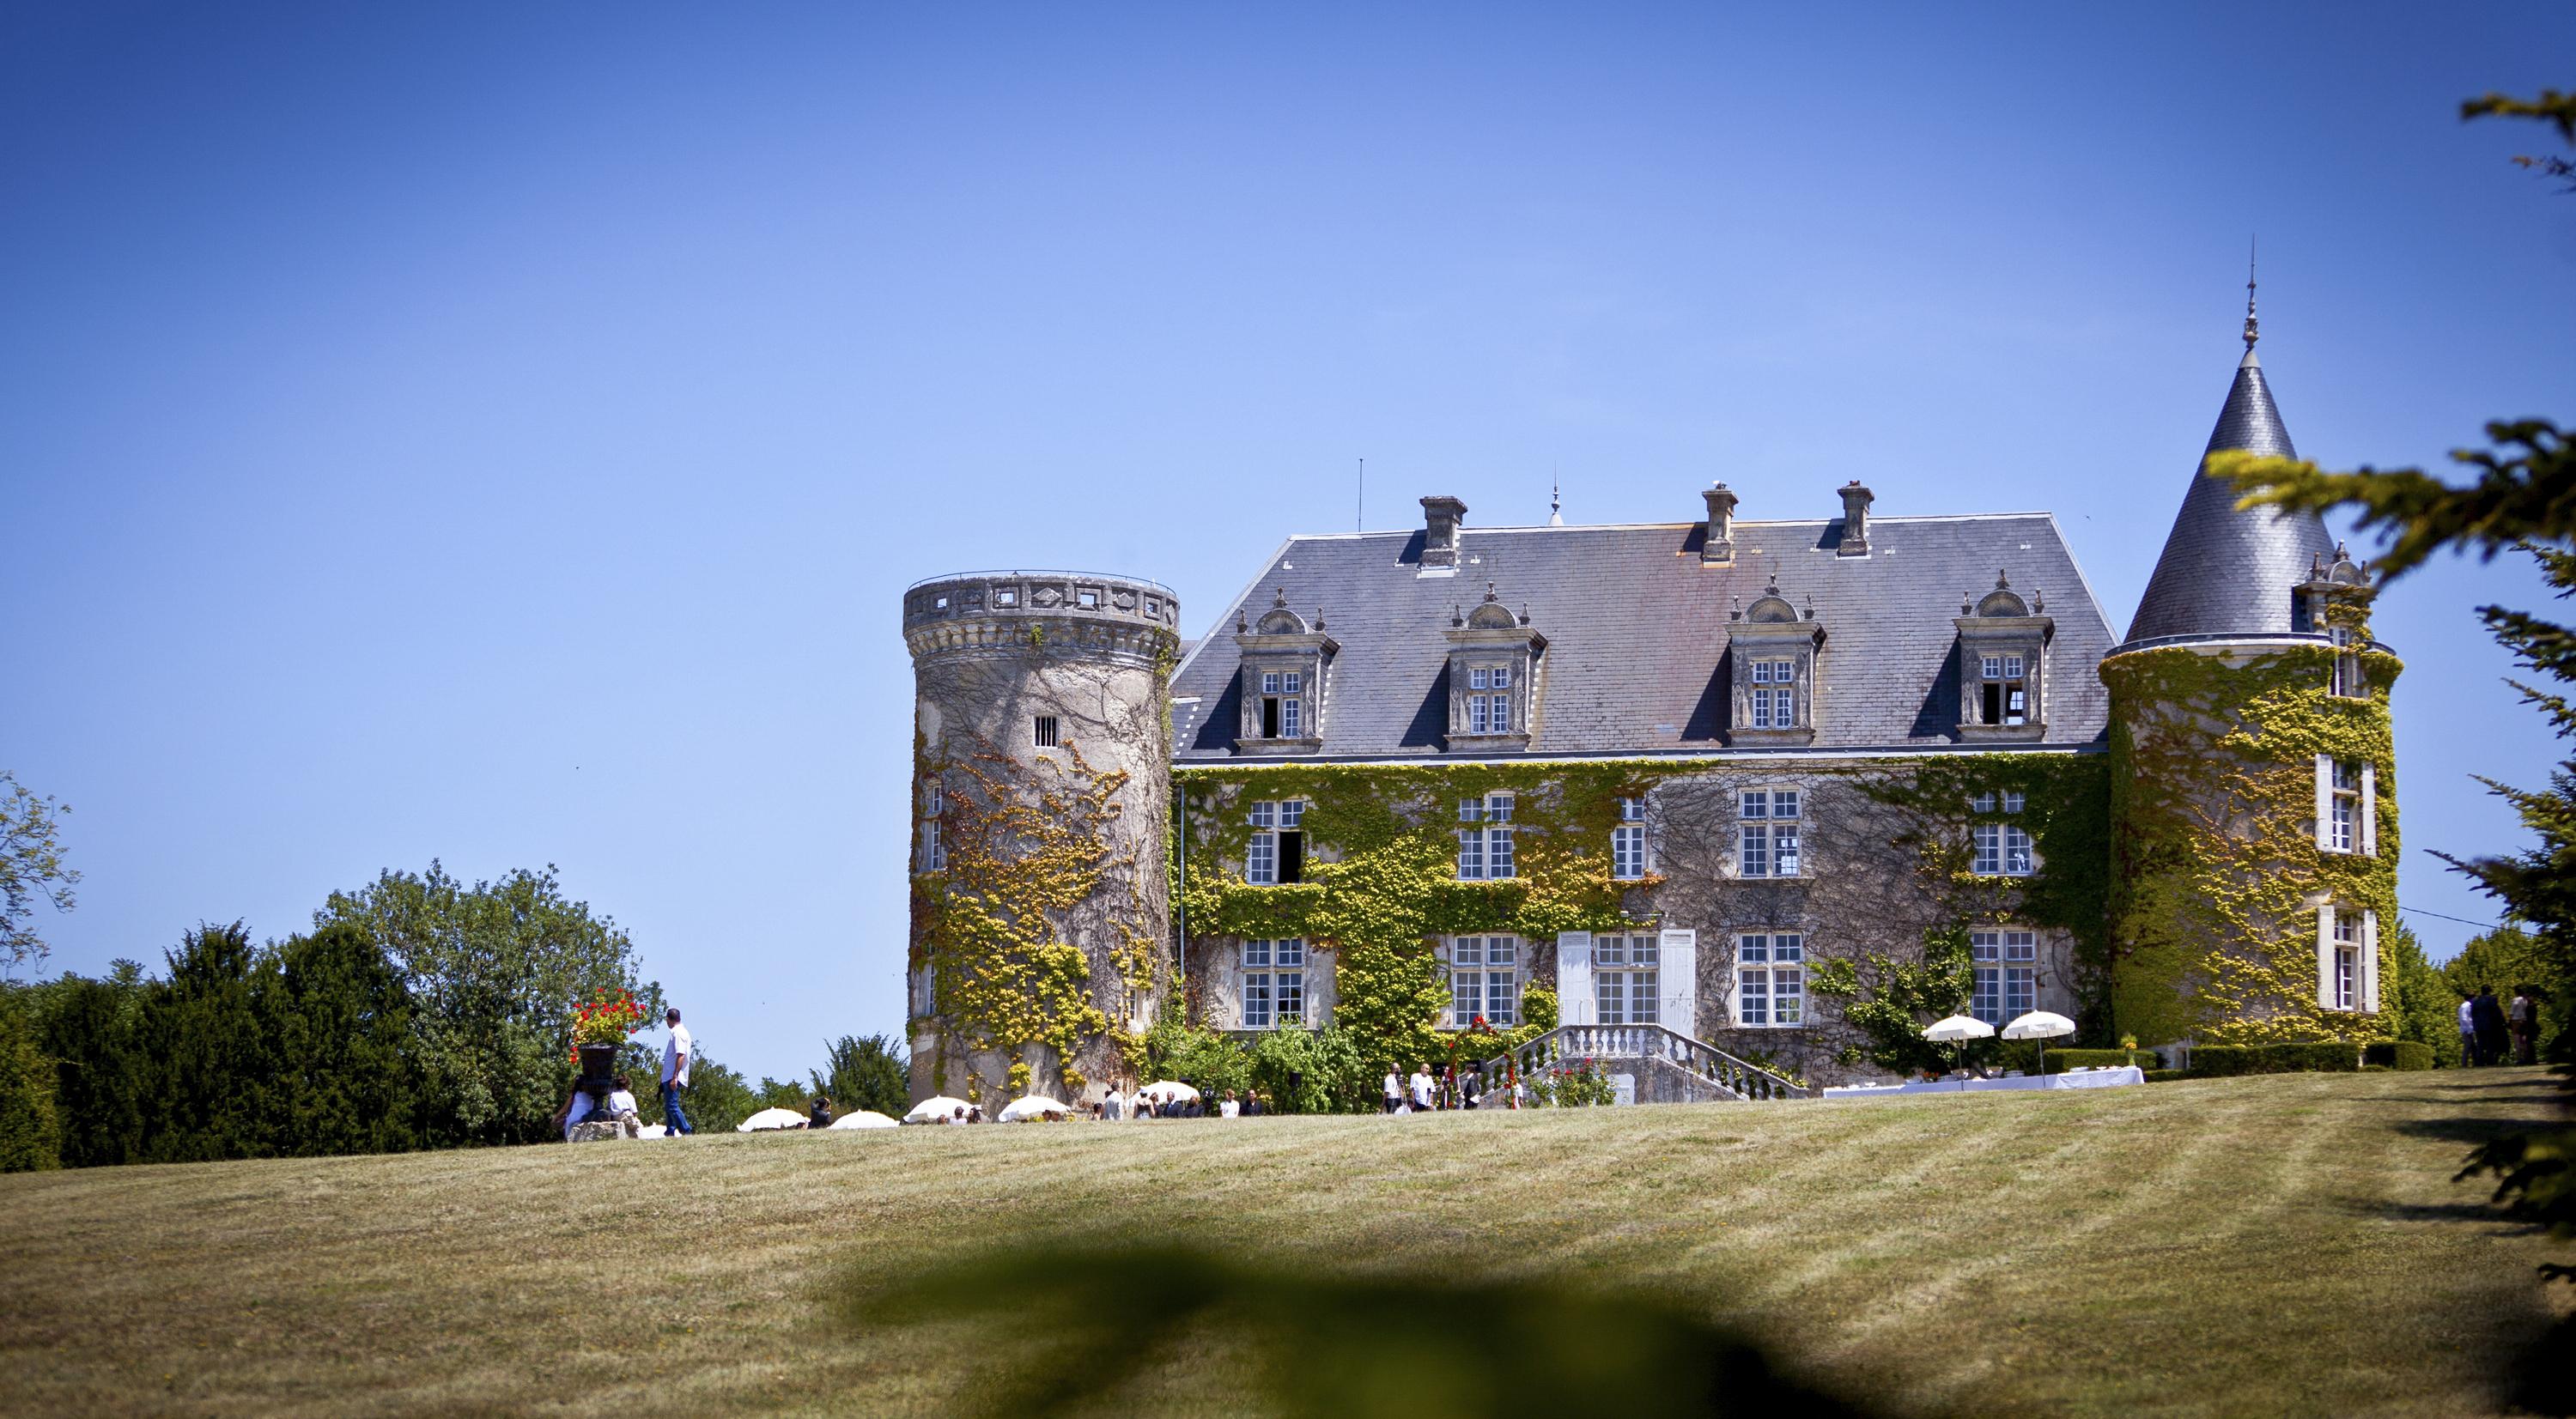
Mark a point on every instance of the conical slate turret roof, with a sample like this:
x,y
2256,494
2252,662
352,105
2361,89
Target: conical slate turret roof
x,y
2226,572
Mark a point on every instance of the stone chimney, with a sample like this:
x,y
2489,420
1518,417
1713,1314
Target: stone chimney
x,y
1719,549
1856,500
1441,519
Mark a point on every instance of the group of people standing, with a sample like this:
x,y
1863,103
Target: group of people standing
x,y
1114,1107
2490,1031
1424,1092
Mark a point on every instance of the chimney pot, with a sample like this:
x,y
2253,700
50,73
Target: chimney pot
x,y
1718,548
1856,501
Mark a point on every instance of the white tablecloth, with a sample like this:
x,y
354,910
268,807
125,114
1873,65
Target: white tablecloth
x,y
2075,1079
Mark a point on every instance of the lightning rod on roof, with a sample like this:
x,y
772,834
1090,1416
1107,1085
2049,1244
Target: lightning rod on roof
x,y
1359,514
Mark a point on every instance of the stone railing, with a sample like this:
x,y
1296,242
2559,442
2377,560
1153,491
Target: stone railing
x,y
1714,1066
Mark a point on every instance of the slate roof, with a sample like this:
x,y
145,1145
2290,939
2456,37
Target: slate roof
x,y
2226,572
1636,629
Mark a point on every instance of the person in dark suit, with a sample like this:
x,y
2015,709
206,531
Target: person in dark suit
x,y
2488,1015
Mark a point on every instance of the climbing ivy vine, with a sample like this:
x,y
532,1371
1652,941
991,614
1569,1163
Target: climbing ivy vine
x,y
1028,846
2214,818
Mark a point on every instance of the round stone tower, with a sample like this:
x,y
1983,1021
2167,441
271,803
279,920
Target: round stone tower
x,y
1041,811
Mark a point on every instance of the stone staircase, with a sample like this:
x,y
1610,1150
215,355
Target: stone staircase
x,y
1664,1065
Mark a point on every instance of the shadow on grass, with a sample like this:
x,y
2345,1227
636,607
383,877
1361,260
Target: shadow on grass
x,y
1088,1321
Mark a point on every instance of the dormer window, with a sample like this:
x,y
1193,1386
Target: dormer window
x,y
1494,666
2003,659
2335,600
1283,673
1773,648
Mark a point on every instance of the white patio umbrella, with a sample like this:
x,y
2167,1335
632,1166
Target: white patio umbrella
x,y
1956,1029
1034,1106
1170,1089
770,1121
2039,1025
935,1108
864,1118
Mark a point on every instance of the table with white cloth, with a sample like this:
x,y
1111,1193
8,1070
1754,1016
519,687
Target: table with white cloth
x,y
2072,1079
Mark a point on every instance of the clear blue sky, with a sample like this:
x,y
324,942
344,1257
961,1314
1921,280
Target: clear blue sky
x,y
502,436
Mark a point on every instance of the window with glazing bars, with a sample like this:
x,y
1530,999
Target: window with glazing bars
x,y
1767,833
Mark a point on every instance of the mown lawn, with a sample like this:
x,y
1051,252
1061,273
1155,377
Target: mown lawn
x,y
2287,1245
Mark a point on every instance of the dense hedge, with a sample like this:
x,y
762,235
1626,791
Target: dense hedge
x,y
2399,1054
2332,1056
2062,1060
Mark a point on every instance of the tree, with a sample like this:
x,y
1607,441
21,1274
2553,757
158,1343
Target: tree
x,y
30,1125
213,1065
90,1030
493,971
2420,1000
31,867
1314,1071
870,1073
342,1021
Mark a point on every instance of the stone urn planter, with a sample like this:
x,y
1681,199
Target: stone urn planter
x,y
598,1070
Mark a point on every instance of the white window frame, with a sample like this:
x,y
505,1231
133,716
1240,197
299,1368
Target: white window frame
x,y
934,802
1770,989
2006,964
1627,978
2347,806
1774,700
1269,818
2000,849
1488,970
2344,681
1628,841
1768,839
1271,985
1485,852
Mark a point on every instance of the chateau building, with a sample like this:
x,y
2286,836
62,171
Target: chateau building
x,y
1715,779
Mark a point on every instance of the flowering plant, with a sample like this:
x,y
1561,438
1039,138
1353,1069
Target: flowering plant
x,y
605,1022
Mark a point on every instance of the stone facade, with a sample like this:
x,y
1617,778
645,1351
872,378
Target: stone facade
x,y
1028,683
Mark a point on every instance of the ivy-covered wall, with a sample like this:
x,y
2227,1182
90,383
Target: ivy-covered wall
x,y
1885,842
1038,951
2218,872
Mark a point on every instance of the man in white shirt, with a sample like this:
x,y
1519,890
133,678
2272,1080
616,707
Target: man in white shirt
x,y
1422,1088
677,1052
2468,1035
1112,1107
1394,1089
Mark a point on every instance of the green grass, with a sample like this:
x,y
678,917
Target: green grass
x,y
2276,1245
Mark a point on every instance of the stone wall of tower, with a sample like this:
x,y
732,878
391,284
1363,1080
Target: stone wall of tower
x,y
1040,902
2220,867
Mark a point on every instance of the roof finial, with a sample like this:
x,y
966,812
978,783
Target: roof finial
x,y
1555,502
2252,331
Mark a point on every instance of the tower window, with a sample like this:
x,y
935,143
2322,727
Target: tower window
x,y
2347,960
2346,679
1043,734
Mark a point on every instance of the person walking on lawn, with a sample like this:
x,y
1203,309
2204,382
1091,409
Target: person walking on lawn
x,y
676,1052
2523,1018
2488,1014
